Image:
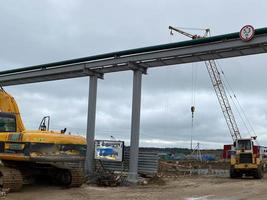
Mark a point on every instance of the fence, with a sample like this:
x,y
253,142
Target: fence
x,y
148,163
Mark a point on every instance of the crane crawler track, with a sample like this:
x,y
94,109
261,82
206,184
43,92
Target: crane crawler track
x,y
77,177
10,178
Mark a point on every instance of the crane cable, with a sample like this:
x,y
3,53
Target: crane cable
x,y
237,104
193,100
229,91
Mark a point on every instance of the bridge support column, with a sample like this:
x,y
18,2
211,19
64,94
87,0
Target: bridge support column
x,y
135,126
90,135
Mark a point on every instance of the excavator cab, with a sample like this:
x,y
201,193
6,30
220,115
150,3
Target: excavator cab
x,y
7,122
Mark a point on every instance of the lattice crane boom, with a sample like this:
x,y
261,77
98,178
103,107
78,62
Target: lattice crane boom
x,y
222,98
218,87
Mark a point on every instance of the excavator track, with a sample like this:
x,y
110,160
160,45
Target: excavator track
x,y
10,178
77,177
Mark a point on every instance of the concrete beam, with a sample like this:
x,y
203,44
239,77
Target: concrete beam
x,y
169,56
42,75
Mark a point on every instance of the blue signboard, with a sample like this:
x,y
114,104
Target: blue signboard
x,y
108,150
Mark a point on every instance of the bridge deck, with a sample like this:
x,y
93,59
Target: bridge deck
x,y
216,47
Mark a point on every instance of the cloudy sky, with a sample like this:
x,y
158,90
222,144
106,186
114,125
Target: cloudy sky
x,y
36,32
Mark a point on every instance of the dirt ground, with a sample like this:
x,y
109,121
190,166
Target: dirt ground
x,y
181,188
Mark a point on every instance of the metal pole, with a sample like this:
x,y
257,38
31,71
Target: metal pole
x,y
90,136
135,126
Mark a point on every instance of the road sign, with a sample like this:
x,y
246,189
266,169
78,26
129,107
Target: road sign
x,y
246,33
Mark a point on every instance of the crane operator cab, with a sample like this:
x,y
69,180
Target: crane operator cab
x,y
245,151
244,145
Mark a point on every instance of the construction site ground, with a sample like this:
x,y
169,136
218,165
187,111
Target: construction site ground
x,y
182,187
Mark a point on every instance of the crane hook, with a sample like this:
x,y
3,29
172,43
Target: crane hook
x,y
192,110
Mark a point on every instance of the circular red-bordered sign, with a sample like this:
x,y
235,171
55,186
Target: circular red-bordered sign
x,y
246,33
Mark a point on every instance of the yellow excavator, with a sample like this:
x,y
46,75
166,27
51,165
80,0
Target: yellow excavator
x,y
28,155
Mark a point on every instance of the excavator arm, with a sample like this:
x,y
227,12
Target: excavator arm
x,y
8,105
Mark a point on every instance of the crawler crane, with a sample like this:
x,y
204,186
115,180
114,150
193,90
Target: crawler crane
x,y
248,158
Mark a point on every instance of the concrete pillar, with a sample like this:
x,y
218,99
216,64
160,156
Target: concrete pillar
x,y
135,126
90,135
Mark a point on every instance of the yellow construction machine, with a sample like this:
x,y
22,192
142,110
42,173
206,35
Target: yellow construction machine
x,y
29,155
